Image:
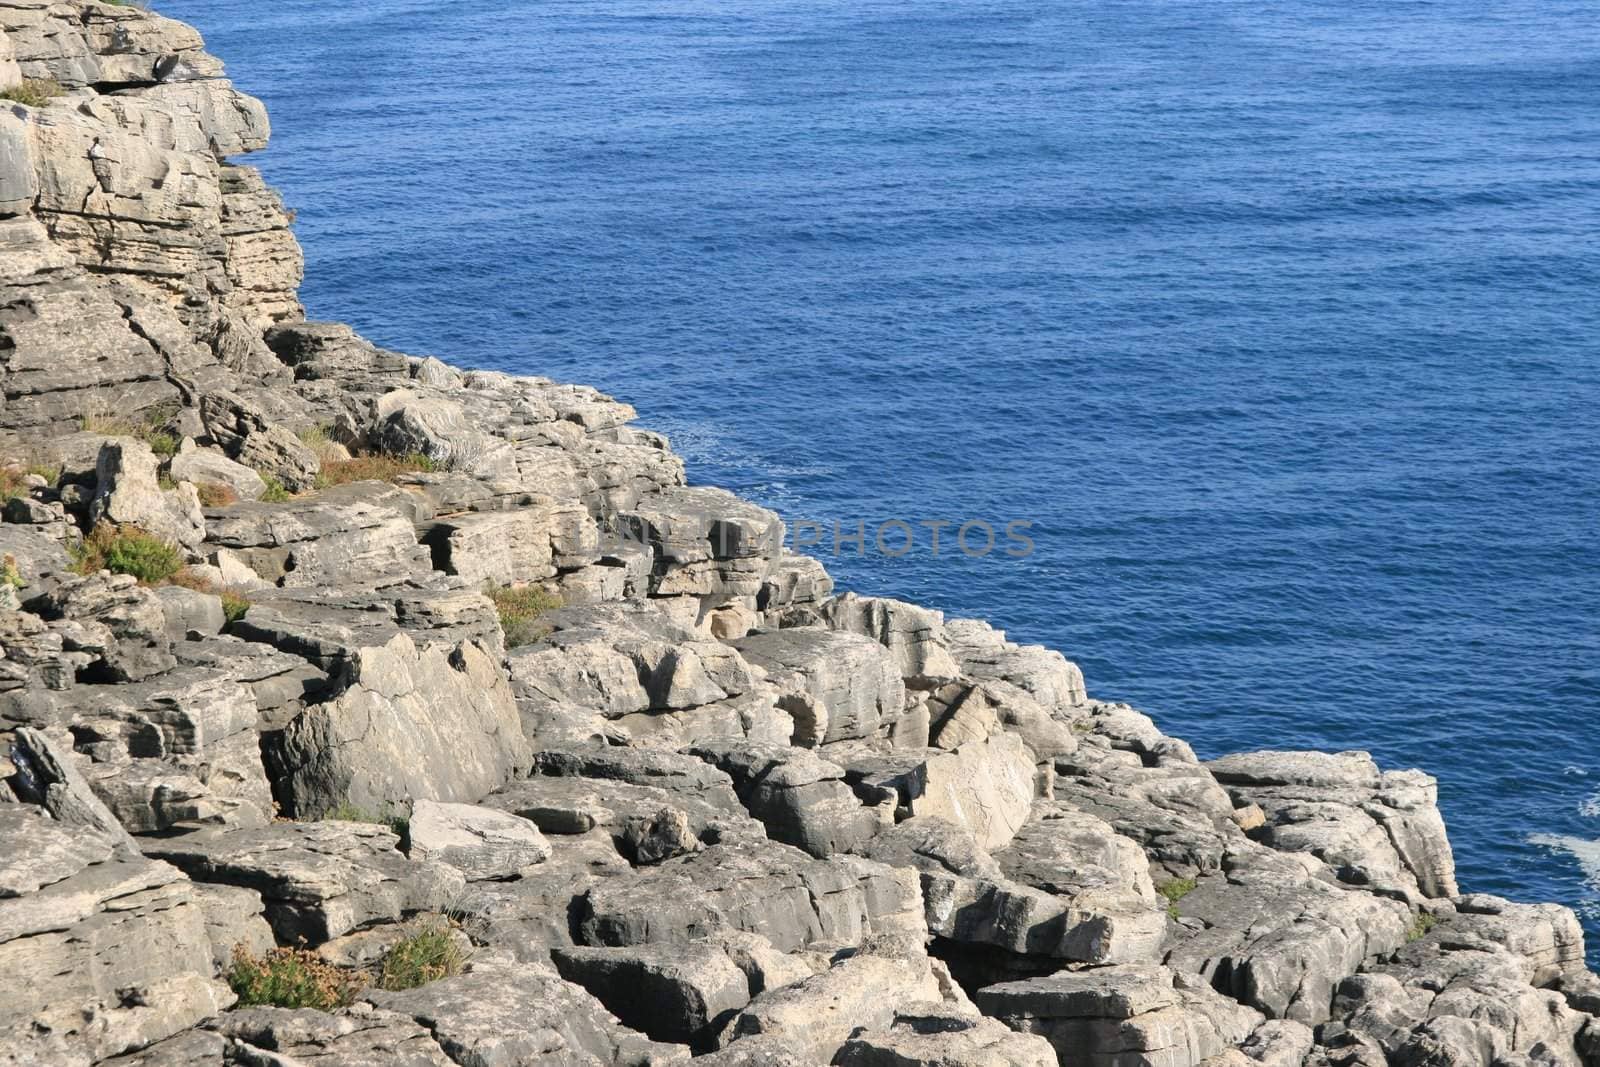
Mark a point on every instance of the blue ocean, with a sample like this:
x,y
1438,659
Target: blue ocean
x,y
1280,323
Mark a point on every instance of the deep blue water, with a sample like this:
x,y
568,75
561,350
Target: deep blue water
x,y
1279,321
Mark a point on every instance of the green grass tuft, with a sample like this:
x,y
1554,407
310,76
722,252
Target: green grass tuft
x,y
1175,891
276,493
291,978
127,550
1420,926
426,956
372,467
520,610
348,812
34,92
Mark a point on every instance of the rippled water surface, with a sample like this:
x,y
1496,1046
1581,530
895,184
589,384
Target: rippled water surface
x,y
1279,321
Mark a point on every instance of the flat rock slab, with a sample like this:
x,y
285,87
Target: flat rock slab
x,y
501,1011
317,879
480,842
770,889
671,992
92,920
1142,1016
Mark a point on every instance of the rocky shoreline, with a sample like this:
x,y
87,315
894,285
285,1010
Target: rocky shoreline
x,y
444,688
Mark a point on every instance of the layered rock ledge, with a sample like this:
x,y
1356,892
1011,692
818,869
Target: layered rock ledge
x,y
460,654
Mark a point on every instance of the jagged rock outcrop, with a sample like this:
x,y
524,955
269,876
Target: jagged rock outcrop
x,y
459,654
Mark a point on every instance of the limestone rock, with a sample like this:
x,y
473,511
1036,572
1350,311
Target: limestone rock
x,y
1380,829
915,635
501,1011
482,843
205,467
1136,1015
128,495
411,722
771,889
801,798
838,686
109,951
317,880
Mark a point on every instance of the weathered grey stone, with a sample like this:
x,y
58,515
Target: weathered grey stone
x,y
234,920
429,722
202,466
127,494
800,798
348,1038
819,1014
513,547
325,540
937,1035
1373,828
1277,935
1060,900
132,625
772,889
317,879
1133,1015
671,992
439,428
108,953
837,686
246,433
985,655
502,1013
482,843
915,635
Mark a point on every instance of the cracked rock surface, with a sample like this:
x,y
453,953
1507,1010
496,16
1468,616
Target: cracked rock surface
x,y
458,654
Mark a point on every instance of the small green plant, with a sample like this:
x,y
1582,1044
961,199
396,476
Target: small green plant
x,y
33,92
372,467
1420,926
1174,891
276,493
149,427
234,606
10,573
348,812
127,550
162,443
426,956
520,610
291,978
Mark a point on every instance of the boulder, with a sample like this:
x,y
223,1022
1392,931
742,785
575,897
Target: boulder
x,y
317,880
1138,1015
502,1011
862,991
914,635
801,798
1374,828
482,843
103,950
939,1035
837,686
677,993
202,466
761,887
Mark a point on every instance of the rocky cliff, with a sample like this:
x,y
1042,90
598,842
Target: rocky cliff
x,y
311,644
